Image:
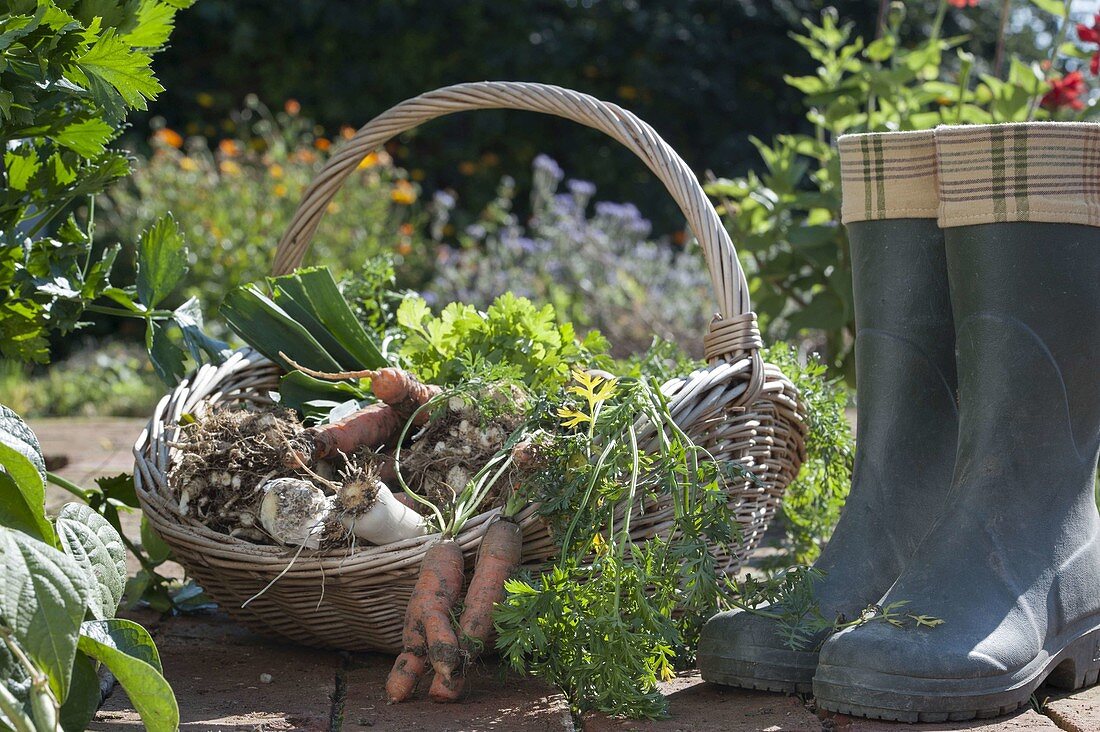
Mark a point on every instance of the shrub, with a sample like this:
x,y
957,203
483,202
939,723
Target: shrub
x,y
234,197
594,261
112,379
785,221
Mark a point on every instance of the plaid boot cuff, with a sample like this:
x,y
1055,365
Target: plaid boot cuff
x,y
1034,171
888,175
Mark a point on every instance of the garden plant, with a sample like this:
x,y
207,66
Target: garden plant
x,y
462,374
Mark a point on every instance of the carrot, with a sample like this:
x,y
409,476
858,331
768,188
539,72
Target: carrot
x,y
371,426
396,387
404,392
407,670
500,553
428,617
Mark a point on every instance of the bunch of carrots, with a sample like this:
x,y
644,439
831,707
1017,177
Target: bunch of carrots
x,y
429,637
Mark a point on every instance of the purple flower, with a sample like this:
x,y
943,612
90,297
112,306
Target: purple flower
x,y
444,199
546,164
582,188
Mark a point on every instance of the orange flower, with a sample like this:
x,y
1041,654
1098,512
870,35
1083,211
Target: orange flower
x,y
279,190
369,161
407,229
169,137
404,248
292,107
490,160
467,168
305,156
276,170
403,193
322,143
347,132
229,148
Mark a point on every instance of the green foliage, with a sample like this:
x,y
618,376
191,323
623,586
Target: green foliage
x,y
306,322
104,380
128,651
811,507
69,71
234,197
789,600
615,614
512,332
58,594
785,220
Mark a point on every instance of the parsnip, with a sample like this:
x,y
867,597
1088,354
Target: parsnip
x,y
374,514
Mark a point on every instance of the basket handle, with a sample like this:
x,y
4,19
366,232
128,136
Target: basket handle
x,y
733,332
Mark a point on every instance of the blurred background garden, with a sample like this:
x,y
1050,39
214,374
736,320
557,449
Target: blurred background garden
x,y
257,95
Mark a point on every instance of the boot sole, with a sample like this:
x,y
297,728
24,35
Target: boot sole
x,y
784,671
1074,664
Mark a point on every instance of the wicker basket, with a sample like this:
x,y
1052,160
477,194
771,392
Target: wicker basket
x,y
739,408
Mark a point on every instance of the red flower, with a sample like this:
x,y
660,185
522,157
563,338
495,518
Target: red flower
x,y
1091,35
1066,92
964,3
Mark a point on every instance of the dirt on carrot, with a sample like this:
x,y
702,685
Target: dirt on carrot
x,y
428,634
497,560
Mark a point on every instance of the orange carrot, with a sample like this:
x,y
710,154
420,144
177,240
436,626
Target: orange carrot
x,y
396,387
369,427
407,670
428,614
500,553
404,392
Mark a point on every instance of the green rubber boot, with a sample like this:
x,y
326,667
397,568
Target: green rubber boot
x,y
1013,565
905,374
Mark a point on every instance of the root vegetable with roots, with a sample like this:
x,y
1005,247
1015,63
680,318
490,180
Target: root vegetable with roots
x,y
429,635
401,395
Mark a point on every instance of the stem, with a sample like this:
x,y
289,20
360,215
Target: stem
x,y
1058,40
124,313
964,82
880,23
999,55
937,24
71,487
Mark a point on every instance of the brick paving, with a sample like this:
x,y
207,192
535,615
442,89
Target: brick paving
x,y
227,678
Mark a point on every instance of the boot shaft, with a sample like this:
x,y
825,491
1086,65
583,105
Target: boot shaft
x,y
1020,208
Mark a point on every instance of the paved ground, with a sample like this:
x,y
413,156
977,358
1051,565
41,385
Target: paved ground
x,y
227,678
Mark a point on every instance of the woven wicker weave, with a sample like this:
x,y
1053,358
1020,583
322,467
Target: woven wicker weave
x,y
739,408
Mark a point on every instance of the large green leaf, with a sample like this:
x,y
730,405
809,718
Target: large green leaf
x,y
43,594
88,538
269,329
86,137
314,397
315,290
154,25
188,317
128,651
110,64
161,261
22,491
15,433
84,695
169,361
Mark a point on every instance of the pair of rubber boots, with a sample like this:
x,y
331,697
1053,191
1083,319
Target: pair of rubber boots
x,y
976,267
